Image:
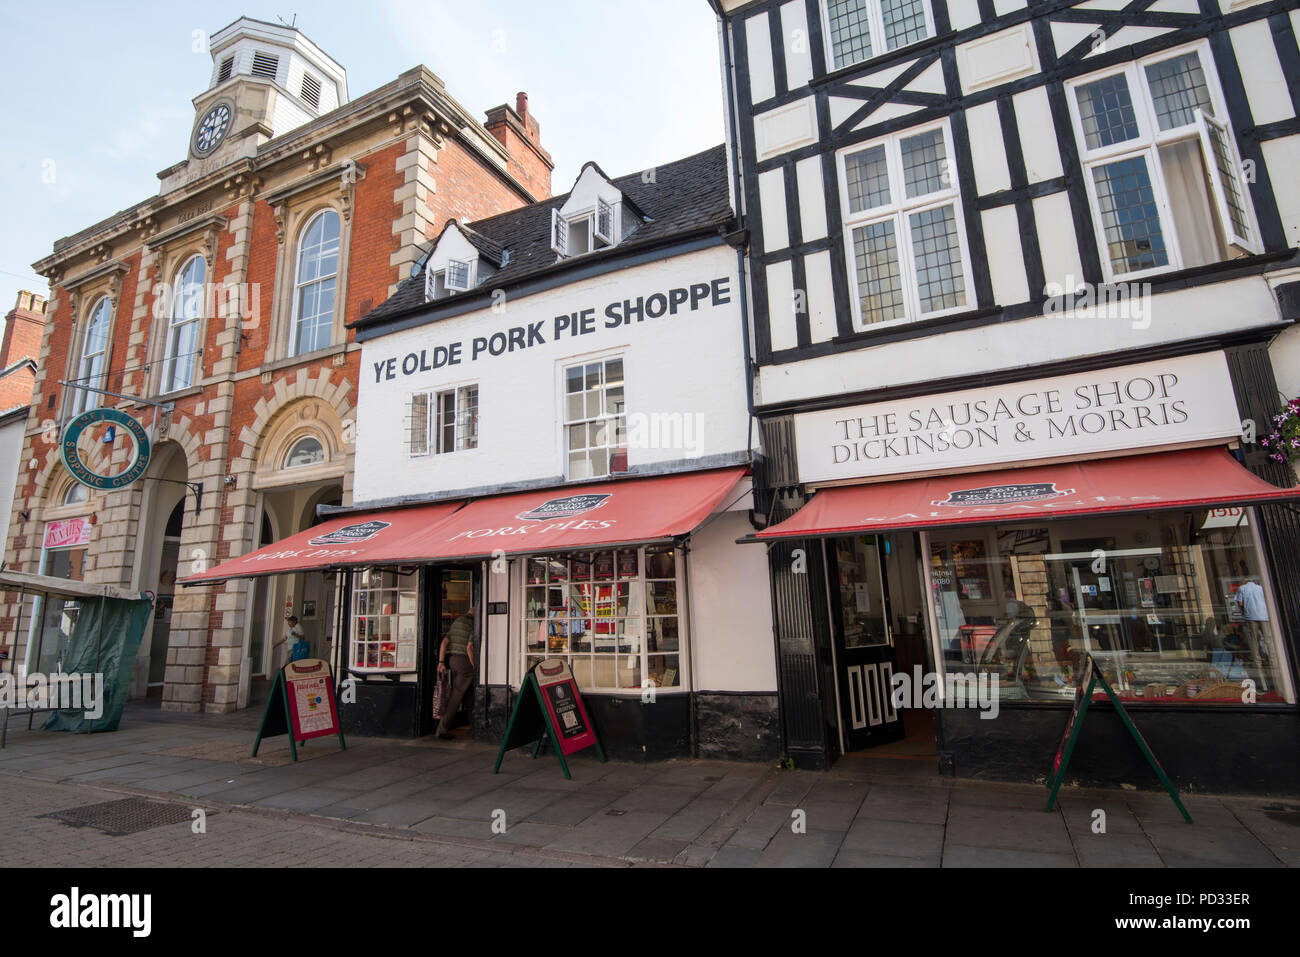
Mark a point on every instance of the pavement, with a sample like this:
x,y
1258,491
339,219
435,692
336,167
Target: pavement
x,y
433,803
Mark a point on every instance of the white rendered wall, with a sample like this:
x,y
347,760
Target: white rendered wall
x,y
687,365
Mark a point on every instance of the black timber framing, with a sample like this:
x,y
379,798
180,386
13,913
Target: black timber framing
x,y
1211,23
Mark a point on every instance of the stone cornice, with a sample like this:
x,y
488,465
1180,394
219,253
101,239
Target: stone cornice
x,y
199,224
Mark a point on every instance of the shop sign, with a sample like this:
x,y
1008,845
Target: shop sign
x,y
350,534
565,507
580,321
112,418
1178,401
1004,494
67,533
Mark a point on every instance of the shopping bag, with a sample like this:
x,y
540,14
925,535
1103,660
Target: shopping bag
x,y
442,694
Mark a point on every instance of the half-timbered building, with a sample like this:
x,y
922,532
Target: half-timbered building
x,y
1024,283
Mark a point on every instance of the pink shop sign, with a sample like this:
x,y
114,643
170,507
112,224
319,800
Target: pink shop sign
x,y
68,533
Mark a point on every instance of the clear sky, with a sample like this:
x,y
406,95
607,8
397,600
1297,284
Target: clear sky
x,y
97,96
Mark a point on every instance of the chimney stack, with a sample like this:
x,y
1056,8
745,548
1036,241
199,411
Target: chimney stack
x,y
24,330
521,104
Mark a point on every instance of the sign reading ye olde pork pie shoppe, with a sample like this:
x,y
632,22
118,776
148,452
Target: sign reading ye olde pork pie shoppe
x,y
1185,400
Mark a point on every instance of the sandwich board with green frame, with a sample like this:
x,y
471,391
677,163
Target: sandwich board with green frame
x,y
550,707
1088,682
302,704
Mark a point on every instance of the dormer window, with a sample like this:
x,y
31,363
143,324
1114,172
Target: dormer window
x,y
456,276
587,230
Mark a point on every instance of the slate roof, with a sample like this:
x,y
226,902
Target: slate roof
x,y
687,196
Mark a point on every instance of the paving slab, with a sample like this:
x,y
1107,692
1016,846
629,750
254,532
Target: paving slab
x,y
1116,850
1193,845
978,826
811,848
895,838
607,835
957,855
691,821
657,849
760,827
734,857
848,857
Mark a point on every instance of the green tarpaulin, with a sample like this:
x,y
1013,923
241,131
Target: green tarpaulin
x,y
108,650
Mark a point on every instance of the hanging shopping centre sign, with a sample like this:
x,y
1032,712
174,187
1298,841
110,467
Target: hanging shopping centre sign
x,y
1145,406
111,419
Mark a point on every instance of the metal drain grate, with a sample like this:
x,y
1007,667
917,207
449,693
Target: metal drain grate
x,y
119,818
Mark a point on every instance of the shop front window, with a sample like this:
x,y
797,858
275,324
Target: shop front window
x,y
383,621
612,615
1172,606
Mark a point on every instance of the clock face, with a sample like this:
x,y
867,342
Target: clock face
x,y
212,128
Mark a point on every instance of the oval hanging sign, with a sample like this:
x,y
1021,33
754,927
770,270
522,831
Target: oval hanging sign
x,y
82,472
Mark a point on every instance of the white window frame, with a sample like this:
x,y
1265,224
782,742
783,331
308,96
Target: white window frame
x,y
876,27
83,399
405,645
432,431
171,357
610,417
899,209
469,275
1147,145
299,285
522,624
561,227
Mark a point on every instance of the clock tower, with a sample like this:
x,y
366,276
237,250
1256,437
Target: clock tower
x,y
267,79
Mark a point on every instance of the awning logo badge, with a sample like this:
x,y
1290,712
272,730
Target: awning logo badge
x,y
565,507
1004,494
351,534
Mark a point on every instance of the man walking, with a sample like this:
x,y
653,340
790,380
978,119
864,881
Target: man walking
x,y
456,653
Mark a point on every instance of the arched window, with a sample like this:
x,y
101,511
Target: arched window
x,y
306,451
90,371
314,284
75,495
181,357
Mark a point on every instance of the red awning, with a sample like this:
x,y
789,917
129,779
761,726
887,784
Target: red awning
x,y
367,538
599,515
1163,480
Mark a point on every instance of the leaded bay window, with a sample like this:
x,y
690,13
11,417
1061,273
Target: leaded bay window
x,y
384,621
857,30
903,227
613,615
444,421
595,419
1161,166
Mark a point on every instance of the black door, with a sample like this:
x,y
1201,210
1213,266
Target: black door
x,y
448,593
864,649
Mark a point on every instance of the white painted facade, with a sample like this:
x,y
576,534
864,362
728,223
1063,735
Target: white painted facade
x,y
682,369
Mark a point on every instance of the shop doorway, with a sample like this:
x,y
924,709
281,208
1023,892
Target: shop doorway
x,y
876,615
449,593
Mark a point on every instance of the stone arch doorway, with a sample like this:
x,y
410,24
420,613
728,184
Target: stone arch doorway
x,y
166,508
301,463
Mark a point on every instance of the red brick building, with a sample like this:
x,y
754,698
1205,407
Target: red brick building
x,y
214,314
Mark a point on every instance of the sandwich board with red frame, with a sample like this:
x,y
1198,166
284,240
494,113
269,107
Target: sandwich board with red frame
x,y
550,706
302,705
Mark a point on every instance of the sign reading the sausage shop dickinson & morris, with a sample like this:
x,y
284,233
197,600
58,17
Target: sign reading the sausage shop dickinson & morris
x,y
1169,402
111,418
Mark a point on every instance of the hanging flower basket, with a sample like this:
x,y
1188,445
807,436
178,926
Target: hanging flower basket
x,y
1283,443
